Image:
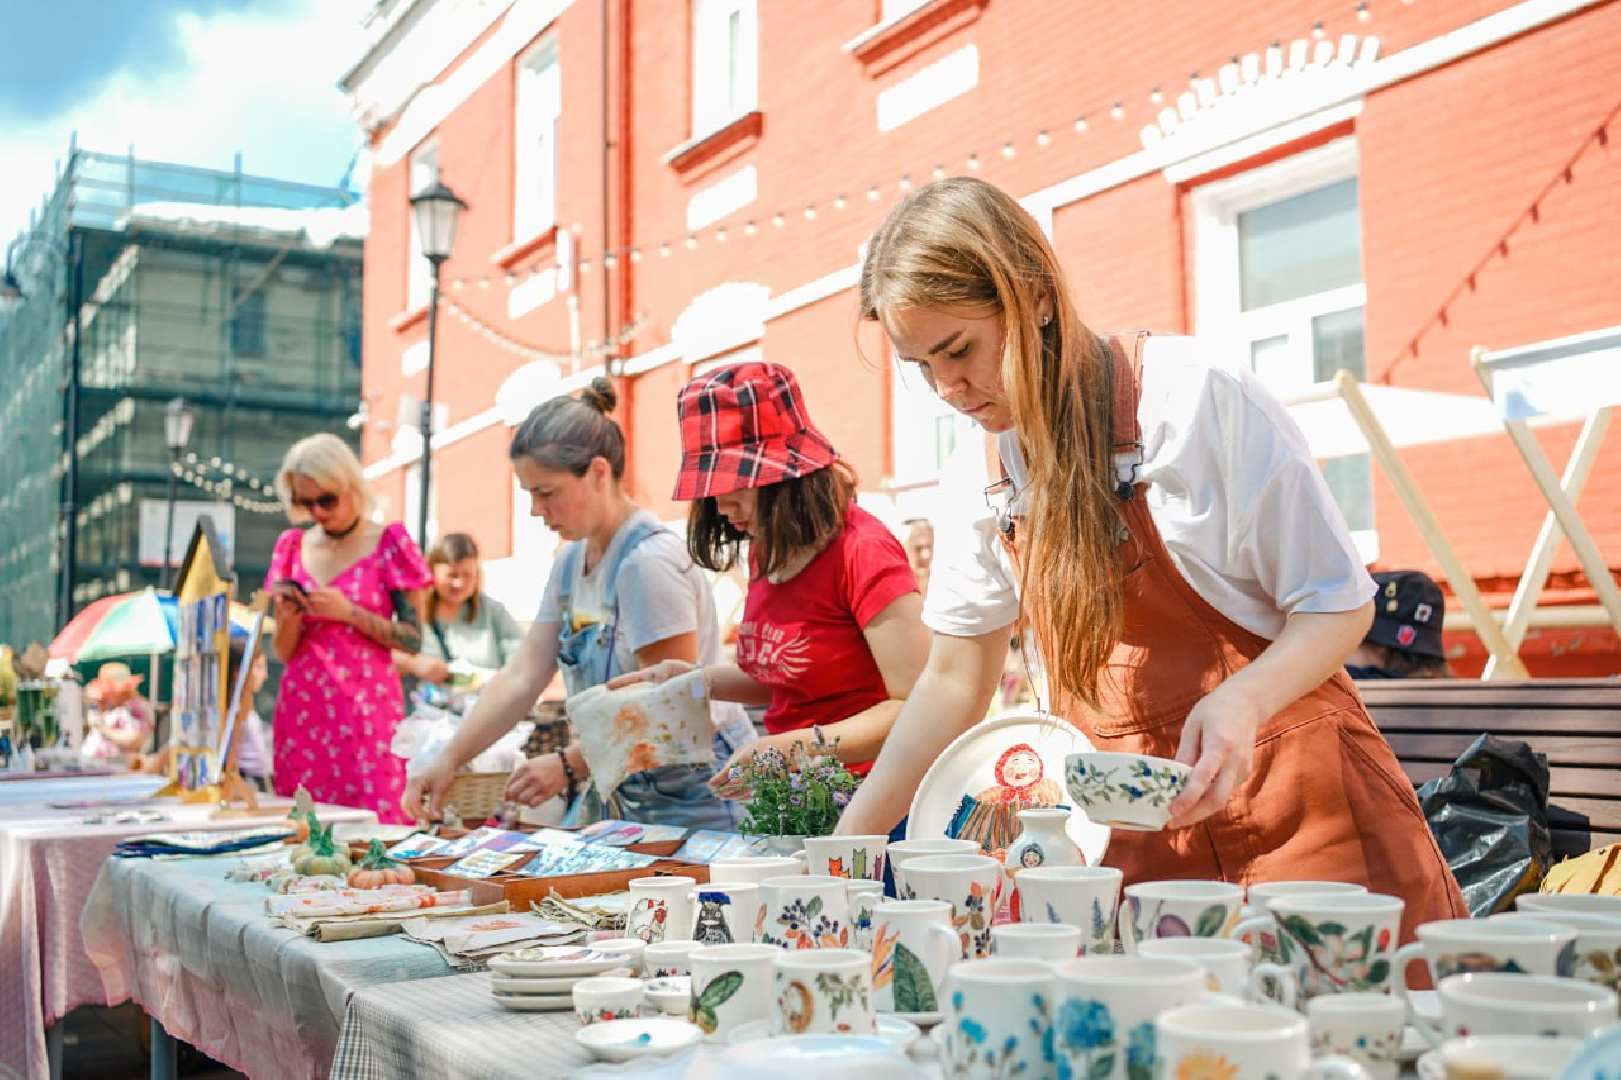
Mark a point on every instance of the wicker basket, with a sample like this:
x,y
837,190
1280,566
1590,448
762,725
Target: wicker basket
x,y
476,795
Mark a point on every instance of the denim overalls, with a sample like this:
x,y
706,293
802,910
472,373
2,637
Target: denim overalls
x,y
668,794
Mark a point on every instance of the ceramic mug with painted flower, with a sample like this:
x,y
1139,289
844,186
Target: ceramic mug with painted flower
x,y
1598,942
1155,909
804,911
823,992
1244,1042
1104,1009
1453,946
1336,943
1087,897
660,909
972,884
998,1020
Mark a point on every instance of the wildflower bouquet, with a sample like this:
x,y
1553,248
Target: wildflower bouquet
x,y
801,793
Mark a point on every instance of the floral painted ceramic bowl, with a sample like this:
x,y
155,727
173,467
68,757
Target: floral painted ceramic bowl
x,y
1125,791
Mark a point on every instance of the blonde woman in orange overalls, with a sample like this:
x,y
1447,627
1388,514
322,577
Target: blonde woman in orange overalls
x,y
1183,572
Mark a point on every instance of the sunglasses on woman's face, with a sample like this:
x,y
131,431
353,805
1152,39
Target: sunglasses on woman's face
x,y
327,500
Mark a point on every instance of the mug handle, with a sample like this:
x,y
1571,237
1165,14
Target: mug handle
x,y
1405,955
1335,1068
1282,977
1124,930
951,940
1247,928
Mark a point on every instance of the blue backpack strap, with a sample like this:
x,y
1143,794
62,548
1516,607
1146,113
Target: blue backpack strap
x,y
565,584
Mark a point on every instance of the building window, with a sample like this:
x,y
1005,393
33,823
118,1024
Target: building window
x,y
538,109
1279,264
248,324
424,172
725,62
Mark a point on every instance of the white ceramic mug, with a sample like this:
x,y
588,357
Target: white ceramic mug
x,y
972,884
1598,942
857,856
1104,1009
1453,946
1583,903
998,1019
725,914
914,945
1155,909
754,870
664,959
900,852
1367,1028
731,986
865,896
1036,941
805,911
1507,1057
1082,896
1229,967
1244,1042
823,992
605,998
660,909
1336,943
1505,1004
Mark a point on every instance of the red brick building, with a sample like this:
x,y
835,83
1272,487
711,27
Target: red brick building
x,y
1315,184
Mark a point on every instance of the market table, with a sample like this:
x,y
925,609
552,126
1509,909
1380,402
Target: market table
x,y
48,861
199,954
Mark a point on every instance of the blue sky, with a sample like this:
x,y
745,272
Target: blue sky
x,y
187,81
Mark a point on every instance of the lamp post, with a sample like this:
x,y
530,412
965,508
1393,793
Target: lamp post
x,y
12,295
177,420
437,211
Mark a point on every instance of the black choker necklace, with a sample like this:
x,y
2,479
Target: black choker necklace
x,y
342,533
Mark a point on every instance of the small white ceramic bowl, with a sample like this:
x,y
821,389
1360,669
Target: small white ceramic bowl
x,y
671,994
631,948
1125,791
607,997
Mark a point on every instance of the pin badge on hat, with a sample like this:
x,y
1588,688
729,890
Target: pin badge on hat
x,y
1422,613
1406,635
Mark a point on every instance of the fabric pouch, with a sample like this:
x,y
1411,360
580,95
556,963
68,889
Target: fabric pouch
x,y
643,726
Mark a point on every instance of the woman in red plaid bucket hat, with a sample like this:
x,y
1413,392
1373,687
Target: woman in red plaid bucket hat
x,y
1180,564
832,637
622,594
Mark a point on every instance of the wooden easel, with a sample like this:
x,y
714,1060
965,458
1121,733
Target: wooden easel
x,y
232,788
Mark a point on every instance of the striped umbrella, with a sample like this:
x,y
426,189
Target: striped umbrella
x,y
130,624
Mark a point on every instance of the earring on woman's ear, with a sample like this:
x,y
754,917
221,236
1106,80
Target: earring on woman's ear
x,y
1047,318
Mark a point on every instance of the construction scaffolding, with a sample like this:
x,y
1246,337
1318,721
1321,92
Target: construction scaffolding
x,y
141,282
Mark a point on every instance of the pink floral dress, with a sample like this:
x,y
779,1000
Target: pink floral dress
x,y
340,700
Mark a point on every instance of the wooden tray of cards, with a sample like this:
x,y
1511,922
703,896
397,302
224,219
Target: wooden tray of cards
x,y
521,891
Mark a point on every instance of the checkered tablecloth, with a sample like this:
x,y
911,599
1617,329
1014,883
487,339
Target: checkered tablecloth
x,y
198,953
448,1028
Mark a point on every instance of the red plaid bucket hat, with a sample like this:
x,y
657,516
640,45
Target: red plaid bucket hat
x,y
744,426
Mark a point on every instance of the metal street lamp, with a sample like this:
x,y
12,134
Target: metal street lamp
x,y
437,211
177,421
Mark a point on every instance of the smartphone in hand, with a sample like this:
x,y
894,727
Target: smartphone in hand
x,y
288,589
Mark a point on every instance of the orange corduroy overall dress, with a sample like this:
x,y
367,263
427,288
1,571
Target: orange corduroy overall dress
x,y
1326,799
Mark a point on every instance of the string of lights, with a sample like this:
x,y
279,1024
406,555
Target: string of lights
x,y
222,480
495,335
1310,44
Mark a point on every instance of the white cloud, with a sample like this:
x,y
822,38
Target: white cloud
x,y
261,84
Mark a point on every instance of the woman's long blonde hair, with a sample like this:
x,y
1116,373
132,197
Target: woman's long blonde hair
x,y
328,461
962,242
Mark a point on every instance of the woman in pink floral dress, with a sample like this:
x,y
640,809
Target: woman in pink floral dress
x,y
348,591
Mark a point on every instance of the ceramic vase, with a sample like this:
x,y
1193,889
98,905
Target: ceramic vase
x,y
1042,841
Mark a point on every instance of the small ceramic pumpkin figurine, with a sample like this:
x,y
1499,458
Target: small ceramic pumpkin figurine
x,y
321,854
376,869
300,816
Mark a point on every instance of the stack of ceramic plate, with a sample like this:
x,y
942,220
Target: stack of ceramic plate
x,y
544,978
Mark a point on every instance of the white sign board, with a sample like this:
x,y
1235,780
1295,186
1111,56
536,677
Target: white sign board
x,y
155,522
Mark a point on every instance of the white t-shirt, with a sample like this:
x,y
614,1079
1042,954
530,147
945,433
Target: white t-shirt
x,y
1232,487
662,594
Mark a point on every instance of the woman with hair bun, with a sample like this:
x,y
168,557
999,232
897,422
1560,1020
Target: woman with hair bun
x,y
622,595
348,593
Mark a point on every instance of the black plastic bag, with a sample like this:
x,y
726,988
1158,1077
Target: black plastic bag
x,y
1490,817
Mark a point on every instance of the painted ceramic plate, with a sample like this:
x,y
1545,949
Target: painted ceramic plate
x,y
625,1040
1014,758
534,1002
552,960
1596,1059
557,984
892,1029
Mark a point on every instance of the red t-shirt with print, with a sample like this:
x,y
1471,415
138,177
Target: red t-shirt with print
x,y
803,638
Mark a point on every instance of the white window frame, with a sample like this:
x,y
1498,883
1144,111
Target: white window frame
x,y
422,170
536,111
725,81
895,10
919,416
1219,314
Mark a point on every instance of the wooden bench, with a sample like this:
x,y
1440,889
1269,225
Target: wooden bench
x,y
1575,722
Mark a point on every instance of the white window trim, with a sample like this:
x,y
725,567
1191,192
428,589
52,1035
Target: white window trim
x,y
1218,311
538,101
710,110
